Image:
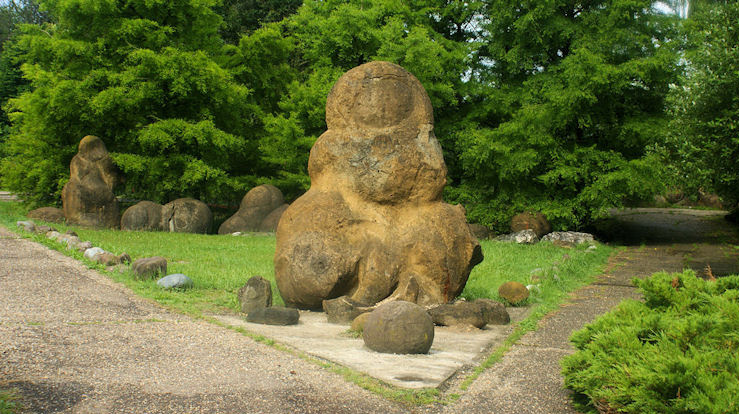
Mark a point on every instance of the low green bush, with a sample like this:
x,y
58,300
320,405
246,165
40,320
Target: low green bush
x,y
676,352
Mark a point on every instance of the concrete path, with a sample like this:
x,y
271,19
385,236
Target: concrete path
x,y
527,379
73,341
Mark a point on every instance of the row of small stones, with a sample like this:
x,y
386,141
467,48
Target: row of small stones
x,y
97,254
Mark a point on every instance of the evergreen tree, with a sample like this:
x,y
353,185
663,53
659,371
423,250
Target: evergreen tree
x,y
704,144
571,97
142,75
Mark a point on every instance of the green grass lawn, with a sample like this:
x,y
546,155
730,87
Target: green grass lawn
x,y
220,264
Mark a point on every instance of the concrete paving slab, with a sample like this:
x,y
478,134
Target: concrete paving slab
x,y
526,381
452,349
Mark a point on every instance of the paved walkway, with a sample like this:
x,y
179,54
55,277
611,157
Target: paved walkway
x,y
71,340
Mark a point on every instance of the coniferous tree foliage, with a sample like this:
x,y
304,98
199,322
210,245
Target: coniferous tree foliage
x,y
143,76
571,97
703,147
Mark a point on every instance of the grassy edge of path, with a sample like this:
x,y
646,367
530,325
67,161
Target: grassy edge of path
x,y
574,274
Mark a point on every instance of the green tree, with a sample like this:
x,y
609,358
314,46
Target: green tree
x,y
571,97
433,39
704,144
142,75
243,17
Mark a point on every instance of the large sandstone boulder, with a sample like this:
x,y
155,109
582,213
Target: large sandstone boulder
x,y
48,214
186,215
143,216
88,198
373,226
255,211
399,327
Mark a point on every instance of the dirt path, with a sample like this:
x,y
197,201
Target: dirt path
x,y
73,341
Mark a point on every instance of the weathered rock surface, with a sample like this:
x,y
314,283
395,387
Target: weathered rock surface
x,y
494,312
186,215
255,294
571,237
514,292
459,313
373,224
522,237
274,315
255,209
88,198
535,221
93,252
48,214
479,231
358,322
399,327
143,216
175,281
149,266
343,309
26,225
43,229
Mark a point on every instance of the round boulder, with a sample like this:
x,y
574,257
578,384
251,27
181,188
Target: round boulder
x,y
534,221
143,216
399,327
186,215
48,214
513,292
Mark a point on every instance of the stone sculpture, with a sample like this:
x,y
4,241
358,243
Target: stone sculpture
x,y
373,226
260,210
88,198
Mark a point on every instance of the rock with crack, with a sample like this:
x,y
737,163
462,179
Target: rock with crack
x,y
373,226
260,210
569,237
522,237
186,215
88,198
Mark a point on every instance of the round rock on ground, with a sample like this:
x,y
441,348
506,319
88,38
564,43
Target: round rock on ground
x,y
175,281
513,292
149,266
531,221
399,327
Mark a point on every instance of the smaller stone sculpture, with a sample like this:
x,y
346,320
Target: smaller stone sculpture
x,y
260,210
88,198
